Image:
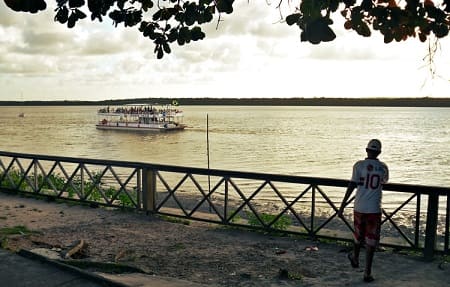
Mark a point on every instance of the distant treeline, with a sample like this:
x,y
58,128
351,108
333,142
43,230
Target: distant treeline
x,y
381,102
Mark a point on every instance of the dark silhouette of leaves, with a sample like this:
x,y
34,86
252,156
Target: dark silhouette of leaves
x,y
318,31
76,3
225,6
31,6
293,19
168,21
62,15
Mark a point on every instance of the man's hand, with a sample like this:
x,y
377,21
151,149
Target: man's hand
x,y
351,186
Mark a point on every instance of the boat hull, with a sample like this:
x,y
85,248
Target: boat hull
x,y
141,127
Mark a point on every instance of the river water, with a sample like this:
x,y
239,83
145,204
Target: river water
x,y
310,141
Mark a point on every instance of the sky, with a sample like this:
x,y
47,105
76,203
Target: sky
x,y
250,55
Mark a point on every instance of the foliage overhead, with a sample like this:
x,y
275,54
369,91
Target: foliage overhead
x,y
168,21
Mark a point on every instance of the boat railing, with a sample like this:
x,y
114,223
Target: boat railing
x,y
417,219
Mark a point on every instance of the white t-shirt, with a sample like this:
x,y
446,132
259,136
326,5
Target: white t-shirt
x,y
369,176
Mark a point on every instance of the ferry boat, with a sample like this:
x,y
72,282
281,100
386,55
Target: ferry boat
x,y
141,117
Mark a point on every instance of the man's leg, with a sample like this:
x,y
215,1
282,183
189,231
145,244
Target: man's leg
x,y
356,250
372,240
358,237
370,252
355,255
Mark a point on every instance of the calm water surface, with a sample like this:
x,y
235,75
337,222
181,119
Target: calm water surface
x,y
312,141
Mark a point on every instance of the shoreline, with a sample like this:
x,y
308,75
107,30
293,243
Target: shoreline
x,y
335,228
297,101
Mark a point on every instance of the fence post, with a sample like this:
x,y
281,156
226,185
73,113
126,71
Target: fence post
x,y
36,180
139,188
82,182
225,202
447,226
431,228
149,190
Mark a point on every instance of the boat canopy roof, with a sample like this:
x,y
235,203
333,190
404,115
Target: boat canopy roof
x,y
141,104
174,103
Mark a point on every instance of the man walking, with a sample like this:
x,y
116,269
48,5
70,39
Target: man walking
x,y
368,178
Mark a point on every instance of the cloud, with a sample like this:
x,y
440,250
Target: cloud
x,y
32,34
97,44
250,54
45,43
7,19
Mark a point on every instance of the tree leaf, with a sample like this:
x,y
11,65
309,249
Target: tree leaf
x,y
334,5
318,31
293,19
146,4
388,37
62,15
225,6
363,29
72,20
166,47
190,16
160,53
197,34
76,3
15,5
80,14
157,15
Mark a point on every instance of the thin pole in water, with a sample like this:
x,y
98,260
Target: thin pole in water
x,y
207,155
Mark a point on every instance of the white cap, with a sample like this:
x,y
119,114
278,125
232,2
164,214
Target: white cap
x,y
374,145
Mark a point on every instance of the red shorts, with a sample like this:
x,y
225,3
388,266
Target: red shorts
x,y
367,228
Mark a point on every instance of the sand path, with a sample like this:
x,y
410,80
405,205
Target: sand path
x,y
205,253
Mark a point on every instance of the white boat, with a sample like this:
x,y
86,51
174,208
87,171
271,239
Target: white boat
x,y
141,117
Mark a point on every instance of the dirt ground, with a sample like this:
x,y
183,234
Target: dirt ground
x,y
201,252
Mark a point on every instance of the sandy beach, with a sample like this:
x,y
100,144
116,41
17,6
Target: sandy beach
x,y
201,252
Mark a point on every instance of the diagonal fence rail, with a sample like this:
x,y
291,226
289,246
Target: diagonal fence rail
x,y
414,216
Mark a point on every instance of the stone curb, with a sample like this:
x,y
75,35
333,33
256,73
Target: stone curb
x,y
74,270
